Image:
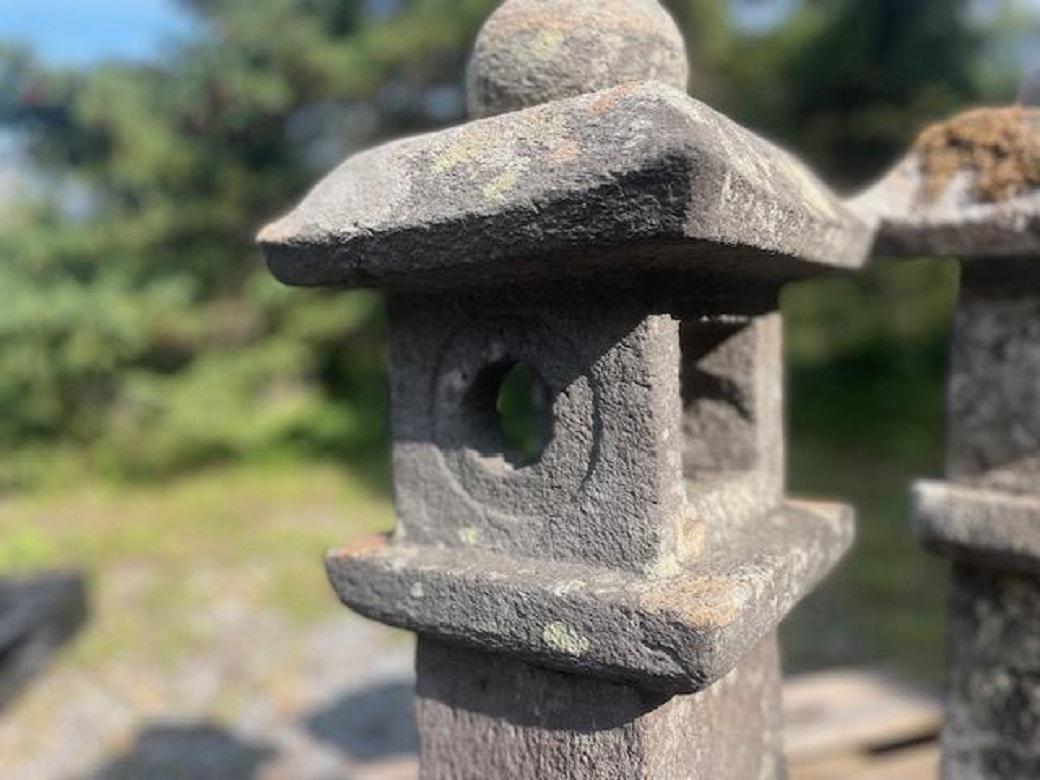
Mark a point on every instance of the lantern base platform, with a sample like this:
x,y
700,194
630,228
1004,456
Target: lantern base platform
x,y
679,633
981,526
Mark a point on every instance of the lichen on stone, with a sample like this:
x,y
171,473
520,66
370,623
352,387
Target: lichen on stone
x,y
564,639
1000,146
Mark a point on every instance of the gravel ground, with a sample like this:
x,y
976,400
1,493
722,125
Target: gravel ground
x,y
214,646
263,701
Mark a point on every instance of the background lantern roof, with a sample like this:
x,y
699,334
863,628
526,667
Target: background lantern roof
x,y
969,187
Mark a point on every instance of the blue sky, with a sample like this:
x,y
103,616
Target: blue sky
x,y
73,32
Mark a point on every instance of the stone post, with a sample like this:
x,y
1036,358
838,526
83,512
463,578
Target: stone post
x,y
971,189
605,605
1029,94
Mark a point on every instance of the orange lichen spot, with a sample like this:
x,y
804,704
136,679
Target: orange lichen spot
x,y
566,152
1001,146
610,97
706,602
367,544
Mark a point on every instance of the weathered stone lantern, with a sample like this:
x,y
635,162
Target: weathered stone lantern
x,y
607,606
970,189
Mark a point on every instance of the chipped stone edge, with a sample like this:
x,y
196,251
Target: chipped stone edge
x,y
676,634
979,526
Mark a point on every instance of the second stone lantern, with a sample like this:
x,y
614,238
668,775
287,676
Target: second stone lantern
x,y
605,604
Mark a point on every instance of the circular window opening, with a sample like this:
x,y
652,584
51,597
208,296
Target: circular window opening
x,y
512,410
524,415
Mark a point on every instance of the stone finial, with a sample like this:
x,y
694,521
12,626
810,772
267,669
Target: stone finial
x,y
1029,94
535,51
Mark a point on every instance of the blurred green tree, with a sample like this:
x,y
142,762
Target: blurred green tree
x,y
137,320
845,83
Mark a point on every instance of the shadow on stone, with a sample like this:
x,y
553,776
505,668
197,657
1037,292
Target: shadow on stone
x,y
188,751
459,680
369,724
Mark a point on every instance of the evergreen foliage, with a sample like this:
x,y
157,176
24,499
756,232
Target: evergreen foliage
x,y
138,323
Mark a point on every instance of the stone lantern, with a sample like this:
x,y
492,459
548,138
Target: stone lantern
x,y
604,604
970,189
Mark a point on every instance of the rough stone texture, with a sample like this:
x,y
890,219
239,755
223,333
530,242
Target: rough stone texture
x,y
635,178
733,422
677,633
993,705
994,398
608,486
484,716
993,724
985,527
911,218
636,399
535,51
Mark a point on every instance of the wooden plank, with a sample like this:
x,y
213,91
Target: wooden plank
x,y
844,765
406,768
854,711
916,763
919,763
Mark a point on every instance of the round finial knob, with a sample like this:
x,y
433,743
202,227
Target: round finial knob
x,y
534,51
1029,95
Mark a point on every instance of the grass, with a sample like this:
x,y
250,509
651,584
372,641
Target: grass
x,y
867,419
156,554
887,598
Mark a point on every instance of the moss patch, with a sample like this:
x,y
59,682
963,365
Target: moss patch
x,y
1001,146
